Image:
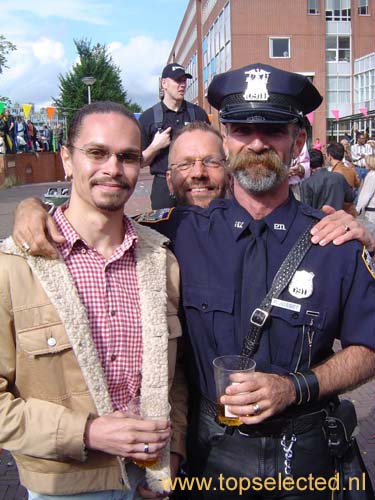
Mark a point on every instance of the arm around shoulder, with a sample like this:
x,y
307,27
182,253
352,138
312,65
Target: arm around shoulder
x,y
34,226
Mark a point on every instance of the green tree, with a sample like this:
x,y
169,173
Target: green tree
x,y
93,61
5,48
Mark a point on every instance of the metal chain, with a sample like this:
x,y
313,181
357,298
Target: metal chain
x,y
288,452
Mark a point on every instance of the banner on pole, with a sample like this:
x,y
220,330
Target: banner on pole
x,y
50,112
26,110
310,117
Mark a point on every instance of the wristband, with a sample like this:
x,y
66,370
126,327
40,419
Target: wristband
x,y
306,385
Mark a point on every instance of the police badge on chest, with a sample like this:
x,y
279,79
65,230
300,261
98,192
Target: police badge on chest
x,y
301,285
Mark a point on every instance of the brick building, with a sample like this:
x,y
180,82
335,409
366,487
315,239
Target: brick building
x,y
331,41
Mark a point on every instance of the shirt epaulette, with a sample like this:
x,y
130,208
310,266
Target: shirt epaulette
x,y
154,216
311,212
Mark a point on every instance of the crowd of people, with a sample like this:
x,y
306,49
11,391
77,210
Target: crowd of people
x,y
355,190
114,309
20,136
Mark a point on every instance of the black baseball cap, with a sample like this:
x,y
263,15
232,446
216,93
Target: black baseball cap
x,y
174,71
259,93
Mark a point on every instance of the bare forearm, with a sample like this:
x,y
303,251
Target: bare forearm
x,y
34,226
148,155
345,370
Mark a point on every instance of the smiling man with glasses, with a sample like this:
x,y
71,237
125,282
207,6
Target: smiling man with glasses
x,y
197,173
84,334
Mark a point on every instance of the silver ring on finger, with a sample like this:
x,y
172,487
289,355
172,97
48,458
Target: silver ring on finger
x,y
346,228
257,409
146,448
25,247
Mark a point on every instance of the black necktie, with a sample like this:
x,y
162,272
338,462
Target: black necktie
x,y
254,273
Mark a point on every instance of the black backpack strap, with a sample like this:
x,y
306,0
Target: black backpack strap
x,y
158,116
191,111
280,281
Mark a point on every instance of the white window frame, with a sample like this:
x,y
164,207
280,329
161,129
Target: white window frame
x,y
336,50
271,51
363,9
335,10
312,7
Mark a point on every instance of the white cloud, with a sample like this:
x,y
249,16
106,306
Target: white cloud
x,y
47,51
33,71
141,62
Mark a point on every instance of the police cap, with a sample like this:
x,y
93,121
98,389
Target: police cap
x,y
260,93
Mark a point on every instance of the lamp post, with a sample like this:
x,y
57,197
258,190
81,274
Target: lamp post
x,y
89,80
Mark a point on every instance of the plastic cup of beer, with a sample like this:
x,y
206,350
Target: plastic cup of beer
x,y
224,368
135,408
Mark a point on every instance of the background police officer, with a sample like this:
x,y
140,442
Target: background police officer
x,y
158,125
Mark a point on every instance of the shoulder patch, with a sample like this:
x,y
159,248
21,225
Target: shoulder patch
x,y
369,263
154,216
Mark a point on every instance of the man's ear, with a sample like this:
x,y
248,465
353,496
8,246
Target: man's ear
x,y
67,162
224,135
169,181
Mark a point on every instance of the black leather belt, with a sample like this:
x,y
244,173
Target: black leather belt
x,y
369,209
160,175
273,427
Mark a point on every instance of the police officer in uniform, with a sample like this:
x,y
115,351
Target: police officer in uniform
x,y
227,266
158,125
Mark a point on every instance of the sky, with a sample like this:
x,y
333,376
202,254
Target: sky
x,y
139,35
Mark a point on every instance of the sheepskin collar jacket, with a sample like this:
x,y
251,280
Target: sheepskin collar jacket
x,y
51,379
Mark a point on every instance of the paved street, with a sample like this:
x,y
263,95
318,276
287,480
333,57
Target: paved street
x,y
9,199
364,397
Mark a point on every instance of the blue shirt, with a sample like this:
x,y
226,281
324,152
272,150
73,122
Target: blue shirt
x,y
337,300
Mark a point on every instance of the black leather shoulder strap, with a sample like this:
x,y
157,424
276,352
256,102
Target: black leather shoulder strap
x,y
280,281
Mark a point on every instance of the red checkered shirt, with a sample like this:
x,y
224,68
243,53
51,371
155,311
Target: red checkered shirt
x,y
109,291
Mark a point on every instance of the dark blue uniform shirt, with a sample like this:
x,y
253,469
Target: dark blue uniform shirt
x,y
337,300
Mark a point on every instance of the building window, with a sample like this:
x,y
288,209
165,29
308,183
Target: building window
x,y
227,22
279,47
216,46
228,56
313,7
363,7
337,48
338,90
338,10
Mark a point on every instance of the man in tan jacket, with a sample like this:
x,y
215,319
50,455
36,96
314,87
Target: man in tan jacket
x,y
81,335
335,156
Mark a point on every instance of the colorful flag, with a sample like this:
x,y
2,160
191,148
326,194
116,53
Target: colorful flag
x,y
364,111
2,106
50,112
310,117
336,113
26,110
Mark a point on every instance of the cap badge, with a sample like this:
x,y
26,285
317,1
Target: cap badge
x,y
256,89
176,67
301,285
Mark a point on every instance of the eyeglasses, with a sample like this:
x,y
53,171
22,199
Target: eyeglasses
x,y
99,155
207,162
